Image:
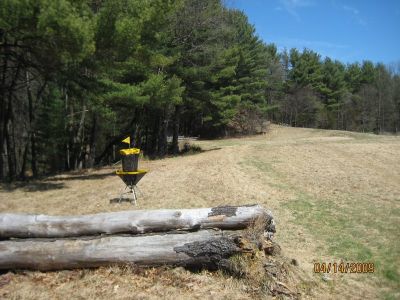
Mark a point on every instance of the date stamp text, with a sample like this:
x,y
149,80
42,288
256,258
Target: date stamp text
x,y
343,267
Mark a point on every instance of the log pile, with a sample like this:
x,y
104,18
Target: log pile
x,y
196,238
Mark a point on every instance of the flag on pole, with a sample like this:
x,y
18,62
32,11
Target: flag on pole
x,y
127,140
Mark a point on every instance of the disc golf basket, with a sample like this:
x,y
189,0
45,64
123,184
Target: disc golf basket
x,y
130,174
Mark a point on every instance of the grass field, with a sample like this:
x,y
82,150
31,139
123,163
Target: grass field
x,y
335,196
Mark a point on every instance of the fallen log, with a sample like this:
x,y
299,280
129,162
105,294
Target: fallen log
x,y
132,222
204,248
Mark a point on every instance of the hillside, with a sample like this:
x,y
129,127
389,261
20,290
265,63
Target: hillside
x,y
335,196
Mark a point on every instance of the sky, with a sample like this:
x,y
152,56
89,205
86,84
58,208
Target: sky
x,y
346,30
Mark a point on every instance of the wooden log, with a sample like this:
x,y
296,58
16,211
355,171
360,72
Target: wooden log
x,y
132,222
204,248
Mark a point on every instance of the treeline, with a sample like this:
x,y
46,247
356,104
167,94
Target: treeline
x,y
76,77
328,94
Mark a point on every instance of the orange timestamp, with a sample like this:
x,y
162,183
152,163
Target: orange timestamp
x,y
344,267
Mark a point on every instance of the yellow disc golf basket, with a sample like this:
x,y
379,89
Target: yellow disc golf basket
x,y
130,174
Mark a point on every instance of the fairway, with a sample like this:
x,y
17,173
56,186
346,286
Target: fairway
x,y
335,196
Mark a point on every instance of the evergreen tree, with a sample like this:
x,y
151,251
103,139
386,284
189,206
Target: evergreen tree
x,y
76,77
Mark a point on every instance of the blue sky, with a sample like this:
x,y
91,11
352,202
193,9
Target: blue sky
x,y
352,30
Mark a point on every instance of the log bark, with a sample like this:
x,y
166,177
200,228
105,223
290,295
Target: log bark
x,y
203,249
132,222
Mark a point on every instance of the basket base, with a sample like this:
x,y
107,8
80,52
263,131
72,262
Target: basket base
x,y
132,190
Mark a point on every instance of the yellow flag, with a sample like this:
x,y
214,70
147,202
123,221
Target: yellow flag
x,y
127,140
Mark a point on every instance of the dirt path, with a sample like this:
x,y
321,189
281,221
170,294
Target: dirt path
x,y
310,179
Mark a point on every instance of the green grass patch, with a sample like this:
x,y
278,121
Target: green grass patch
x,y
225,142
352,229
261,165
349,232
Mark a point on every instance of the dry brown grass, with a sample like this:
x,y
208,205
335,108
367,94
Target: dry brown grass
x,y
310,179
120,283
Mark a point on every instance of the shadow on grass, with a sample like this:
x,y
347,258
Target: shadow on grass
x,y
82,177
50,183
32,186
198,150
191,150
117,200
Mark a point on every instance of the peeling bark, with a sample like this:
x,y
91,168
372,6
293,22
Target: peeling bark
x,y
193,238
202,249
133,222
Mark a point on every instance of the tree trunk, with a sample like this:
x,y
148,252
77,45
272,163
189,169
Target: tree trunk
x,y
8,119
24,159
31,129
175,145
10,154
67,130
3,106
205,248
92,143
78,140
137,136
133,222
162,135
154,136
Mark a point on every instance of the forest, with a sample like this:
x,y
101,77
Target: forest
x,y
78,76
